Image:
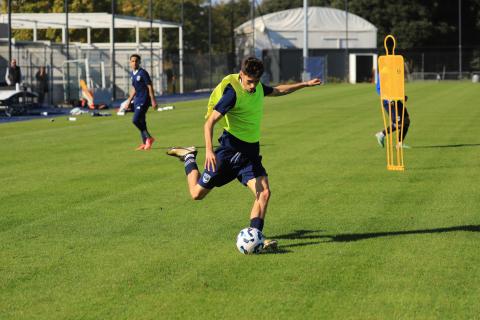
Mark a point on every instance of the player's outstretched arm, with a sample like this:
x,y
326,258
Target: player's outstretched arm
x,y
284,89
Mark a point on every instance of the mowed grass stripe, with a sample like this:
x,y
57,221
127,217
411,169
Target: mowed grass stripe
x,y
91,229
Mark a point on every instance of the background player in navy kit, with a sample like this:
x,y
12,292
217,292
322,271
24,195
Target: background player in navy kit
x,y
143,97
403,117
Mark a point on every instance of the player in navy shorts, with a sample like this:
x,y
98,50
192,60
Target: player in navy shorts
x,y
244,165
237,104
143,97
403,120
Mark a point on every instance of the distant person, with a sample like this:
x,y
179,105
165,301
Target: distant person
x,y
267,76
238,103
14,74
403,117
41,78
143,97
174,84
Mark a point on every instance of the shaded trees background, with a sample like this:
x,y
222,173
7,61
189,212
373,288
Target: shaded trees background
x,y
416,24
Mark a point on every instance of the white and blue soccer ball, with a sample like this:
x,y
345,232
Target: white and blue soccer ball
x,y
250,241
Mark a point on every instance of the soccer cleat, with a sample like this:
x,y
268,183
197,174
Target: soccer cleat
x,y
182,152
140,147
403,146
148,143
270,245
380,138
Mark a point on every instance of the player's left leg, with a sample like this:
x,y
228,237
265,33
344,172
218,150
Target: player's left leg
x,y
149,139
140,122
261,190
405,124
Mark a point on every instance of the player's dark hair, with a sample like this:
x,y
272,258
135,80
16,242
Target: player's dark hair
x,y
252,67
135,56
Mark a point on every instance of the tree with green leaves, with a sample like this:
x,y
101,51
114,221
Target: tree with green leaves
x,y
429,23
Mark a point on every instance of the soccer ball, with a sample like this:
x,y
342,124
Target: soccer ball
x,y
250,240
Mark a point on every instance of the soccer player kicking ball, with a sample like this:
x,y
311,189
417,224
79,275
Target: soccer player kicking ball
x,y
238,103
143,97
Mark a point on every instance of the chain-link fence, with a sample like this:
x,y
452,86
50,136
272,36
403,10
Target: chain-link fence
x,y
93,65
441,63
201,72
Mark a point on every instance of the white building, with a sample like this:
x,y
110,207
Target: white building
x,y
280,37
95,58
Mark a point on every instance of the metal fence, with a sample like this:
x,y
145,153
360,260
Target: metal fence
x,y
201,71
441,63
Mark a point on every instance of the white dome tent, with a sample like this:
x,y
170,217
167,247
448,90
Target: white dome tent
x,y
283,30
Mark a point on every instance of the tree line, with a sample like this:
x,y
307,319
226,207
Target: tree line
x,y
415,24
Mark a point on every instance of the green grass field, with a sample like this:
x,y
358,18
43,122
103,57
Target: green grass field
x,y
90,229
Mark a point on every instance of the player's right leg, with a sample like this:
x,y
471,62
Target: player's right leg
x,y
140,122
380,138
188,156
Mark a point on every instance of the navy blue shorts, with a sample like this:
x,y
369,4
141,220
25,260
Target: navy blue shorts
x,y
230,165
401,113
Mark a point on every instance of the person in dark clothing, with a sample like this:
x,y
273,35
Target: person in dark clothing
x,y
42,84
143,98
14,74
403,120
236,104
174,84
402,117
396,110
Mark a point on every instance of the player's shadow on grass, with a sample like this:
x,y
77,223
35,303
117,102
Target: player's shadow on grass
x,y
312,237
462,145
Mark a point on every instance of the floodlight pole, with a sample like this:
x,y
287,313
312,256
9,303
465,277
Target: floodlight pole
x,y
9,5
210,43
305,40
67,44
460,39
180,50
347,71
112,49
180,58
182,13
150,15
252,14
232,37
